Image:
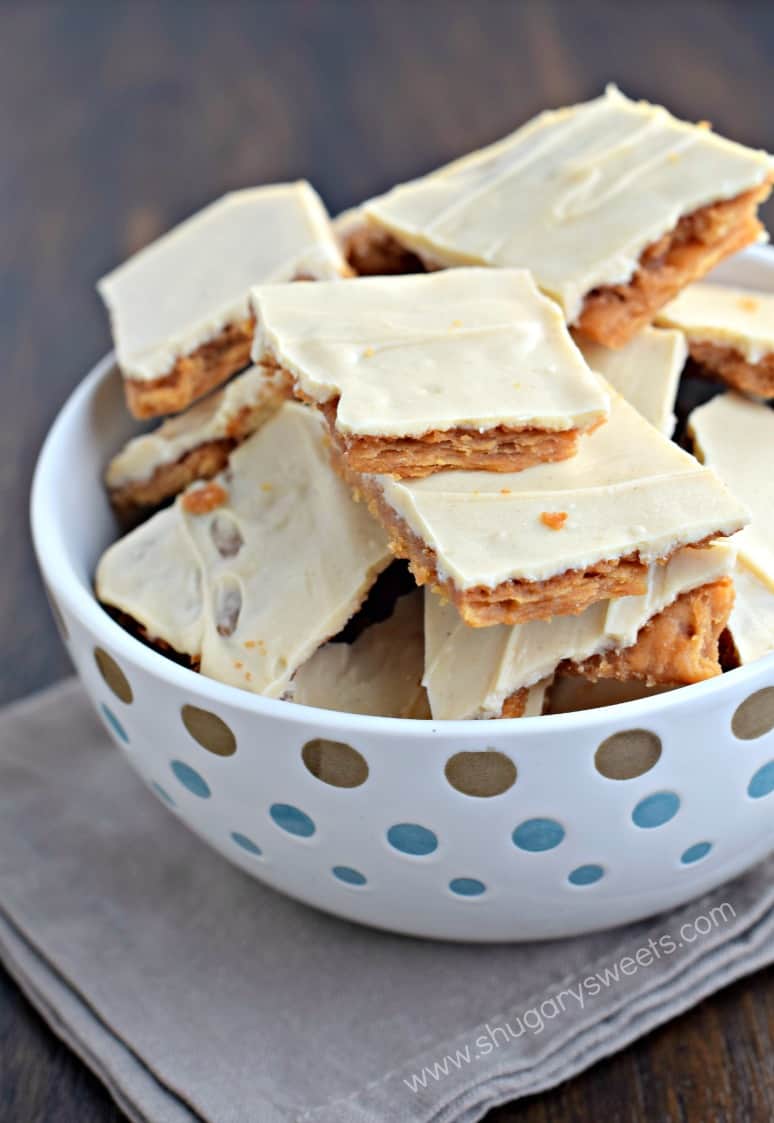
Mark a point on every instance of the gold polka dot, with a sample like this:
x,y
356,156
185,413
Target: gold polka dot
x,y
59,619
481,774
335,763
113,675
755,716
627,754
209,730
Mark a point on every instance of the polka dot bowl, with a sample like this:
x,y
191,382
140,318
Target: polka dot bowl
x,y
503,830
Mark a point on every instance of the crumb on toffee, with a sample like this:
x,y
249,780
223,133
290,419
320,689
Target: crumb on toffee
x,y
748,304
202,500
554,520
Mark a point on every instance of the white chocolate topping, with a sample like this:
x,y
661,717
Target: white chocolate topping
x,y
253,587
210,419
183,289
646,371
535,702
348,222
735,436
470,672
751,622
380,673
731,317
575,195
628,490
467,348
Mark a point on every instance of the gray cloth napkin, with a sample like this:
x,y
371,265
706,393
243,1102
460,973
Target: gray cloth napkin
x,y
196,994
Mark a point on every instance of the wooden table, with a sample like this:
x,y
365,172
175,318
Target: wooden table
x,y
116,120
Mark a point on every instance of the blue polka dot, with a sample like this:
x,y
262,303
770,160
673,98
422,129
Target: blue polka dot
x,y
191,779
655,810
115,724
467,886
348,875
246,843
586,875
538,834
410,838
292,820
695,853
162,793
762,782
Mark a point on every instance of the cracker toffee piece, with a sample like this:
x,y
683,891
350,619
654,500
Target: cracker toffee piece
x,y
614,205
379,674
249,574
192,445
730,334
179,308
500,548
466,368
667,635
735,436
646,370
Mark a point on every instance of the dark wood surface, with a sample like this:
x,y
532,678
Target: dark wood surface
x,y
116,120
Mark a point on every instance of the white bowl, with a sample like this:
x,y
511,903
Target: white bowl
x,y
564,849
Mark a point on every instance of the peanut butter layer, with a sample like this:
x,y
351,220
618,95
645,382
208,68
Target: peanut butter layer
x,y
728,365
192,445
646,371
417,374
471,673
379,674
515,602
179,308
677,647
194,375
248,574
590,199
613,314
130,501
497,450
555,538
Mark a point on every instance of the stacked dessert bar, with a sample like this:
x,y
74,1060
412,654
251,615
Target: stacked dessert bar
x,y
472,384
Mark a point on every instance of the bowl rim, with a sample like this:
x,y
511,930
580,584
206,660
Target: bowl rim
x,y
79,599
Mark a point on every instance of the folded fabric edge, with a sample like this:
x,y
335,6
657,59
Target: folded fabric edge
x,y
621,1015
657,1007
133,1087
